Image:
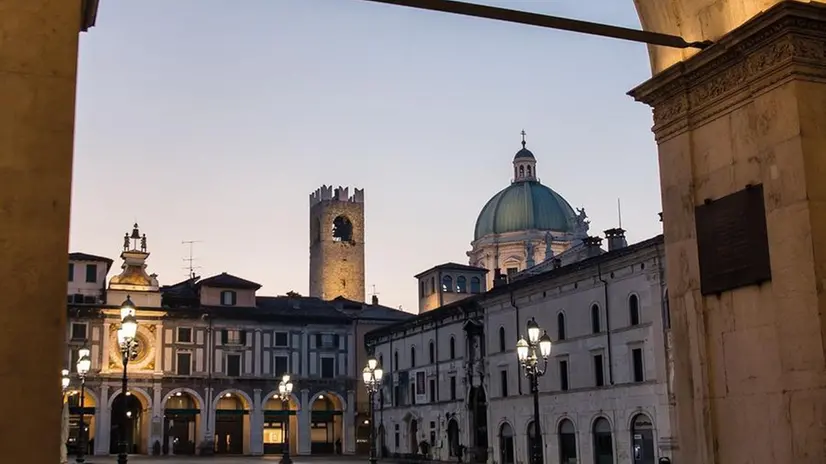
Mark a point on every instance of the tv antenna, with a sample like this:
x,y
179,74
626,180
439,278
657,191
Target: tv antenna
x,y
375,293
190,260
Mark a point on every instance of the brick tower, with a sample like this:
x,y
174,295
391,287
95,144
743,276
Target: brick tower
x,y
337,243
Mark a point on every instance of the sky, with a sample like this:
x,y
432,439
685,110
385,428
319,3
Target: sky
x,y
213,121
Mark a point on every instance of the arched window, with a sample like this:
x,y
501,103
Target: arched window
x,y
603,446
342,229
506,444
447,283
521,171
529,172
666,312
560,326
532,440
634,309
595,325
381,361
642,440
475,285
432,350
461,284
395,361
452,348
567,442
502,345
412,356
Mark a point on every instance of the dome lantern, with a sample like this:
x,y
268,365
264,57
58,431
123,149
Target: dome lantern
x,y
524,164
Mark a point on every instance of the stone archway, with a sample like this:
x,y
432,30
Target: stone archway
x,y
327,423
182,428
130,421
280,422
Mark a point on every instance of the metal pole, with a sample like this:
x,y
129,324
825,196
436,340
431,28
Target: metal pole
x,y
537,434
285,453
124,422
372,459
81,442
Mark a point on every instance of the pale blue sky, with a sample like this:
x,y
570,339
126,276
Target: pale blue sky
x,y
213,120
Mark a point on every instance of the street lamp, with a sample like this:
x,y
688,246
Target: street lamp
x,y
372,375
64,380
285,388
529,353
127,339
84,363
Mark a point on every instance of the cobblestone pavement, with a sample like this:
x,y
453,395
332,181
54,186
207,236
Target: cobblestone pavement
x,y
224,460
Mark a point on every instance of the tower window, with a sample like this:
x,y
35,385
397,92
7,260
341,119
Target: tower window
x,y
342,229
447,284
529,172
475,285
521,171
461,284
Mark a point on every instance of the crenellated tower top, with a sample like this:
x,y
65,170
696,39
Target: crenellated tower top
x,y
328,193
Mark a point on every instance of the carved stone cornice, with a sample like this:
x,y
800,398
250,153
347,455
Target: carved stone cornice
x,y
785,42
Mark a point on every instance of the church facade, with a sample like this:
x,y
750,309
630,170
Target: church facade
x,y
211,352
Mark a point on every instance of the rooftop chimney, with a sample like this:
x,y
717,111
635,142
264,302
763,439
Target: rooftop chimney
x,y
498,278
592,246
375,300
616,239
557,263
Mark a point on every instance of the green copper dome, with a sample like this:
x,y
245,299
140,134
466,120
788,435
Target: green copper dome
x,y
525,205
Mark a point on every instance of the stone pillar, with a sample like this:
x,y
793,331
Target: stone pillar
x,y
304,423
102,422
750,371
38,66
156,431
207,417
348,442
257,423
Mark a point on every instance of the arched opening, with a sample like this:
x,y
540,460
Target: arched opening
x,y
603,444
453,438
506,453
81,433
182,419
342,229
280,422
232,424
502,342
130,409
596,327
326,425
634,310
521,171
560,326
567,442
452,347
461,284
642,440
395,360
412,356
447,284
413,437
475,285
529,172
432,352
532,439
478,417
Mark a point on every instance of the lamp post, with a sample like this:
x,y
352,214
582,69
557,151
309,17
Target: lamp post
x,y
372,375
64,380
84,363
530,353
285,388
129,349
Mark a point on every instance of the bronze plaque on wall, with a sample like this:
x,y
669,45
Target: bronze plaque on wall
x,y
732,241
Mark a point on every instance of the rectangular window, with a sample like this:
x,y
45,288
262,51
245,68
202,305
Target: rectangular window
x,y
281,339
234,365
281,366
397,437
91,273
233,337
563,375
78,331
328,368
512,271
228,298
184,335
453,388
636,359
432,390
328,341
503,381
184,363
397,393
71,272
599,371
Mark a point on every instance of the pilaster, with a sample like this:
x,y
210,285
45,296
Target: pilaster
x,y
159,367
304,423
257,422
749,364
102,422
349,418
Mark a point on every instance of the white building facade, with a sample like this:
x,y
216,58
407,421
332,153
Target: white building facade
x,y
210,355
605,396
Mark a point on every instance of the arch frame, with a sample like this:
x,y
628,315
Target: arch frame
x,y
241,393
87,392
563,418
597,417
271,395
146,398
640,412
503,422
189,391
338,396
